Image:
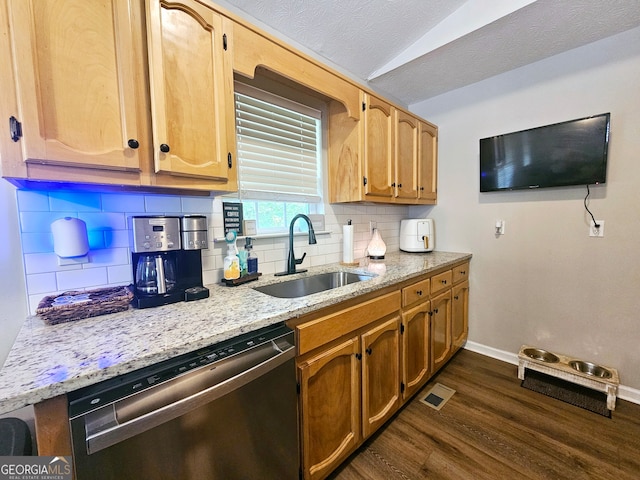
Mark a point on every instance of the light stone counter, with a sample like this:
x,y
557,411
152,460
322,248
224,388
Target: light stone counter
x,y
49,360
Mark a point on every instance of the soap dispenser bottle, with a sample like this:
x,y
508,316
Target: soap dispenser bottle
x,y
252,260
231,261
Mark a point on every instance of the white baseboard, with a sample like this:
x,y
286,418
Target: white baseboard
x,y
625,393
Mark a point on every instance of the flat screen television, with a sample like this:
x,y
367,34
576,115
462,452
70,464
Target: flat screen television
x,y
562,154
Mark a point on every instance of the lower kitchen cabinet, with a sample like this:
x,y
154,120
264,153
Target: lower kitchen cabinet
x,y
347,392
459,315
359,364
380,374
441,329
416,349
330,407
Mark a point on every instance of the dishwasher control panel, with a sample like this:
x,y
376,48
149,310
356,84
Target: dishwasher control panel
x,y
95,396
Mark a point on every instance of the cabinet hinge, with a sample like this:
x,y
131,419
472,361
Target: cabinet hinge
x,y
402,329
298,388
224,41
365,181
364,106
401,387
15,129
229,160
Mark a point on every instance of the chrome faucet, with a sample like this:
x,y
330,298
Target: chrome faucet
x,y
292,261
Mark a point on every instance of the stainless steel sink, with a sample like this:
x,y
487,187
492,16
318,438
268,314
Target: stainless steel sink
x,y
301,287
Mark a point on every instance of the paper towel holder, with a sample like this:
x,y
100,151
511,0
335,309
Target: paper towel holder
x,y
70,241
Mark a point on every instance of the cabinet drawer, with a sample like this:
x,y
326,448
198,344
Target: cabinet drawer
x,y
316,333
441,282
460,273
416,292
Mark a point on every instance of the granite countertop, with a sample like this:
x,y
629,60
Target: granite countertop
x,y
49,360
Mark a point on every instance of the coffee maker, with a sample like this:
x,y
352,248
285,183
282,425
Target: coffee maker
x,y
166,259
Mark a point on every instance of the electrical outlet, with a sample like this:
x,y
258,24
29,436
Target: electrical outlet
x,y
596,231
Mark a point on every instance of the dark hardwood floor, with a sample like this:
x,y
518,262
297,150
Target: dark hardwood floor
x,y
492,428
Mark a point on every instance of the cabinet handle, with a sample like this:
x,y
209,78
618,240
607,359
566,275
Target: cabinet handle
x,y
164,148
133,143
419,292
456,297
369,351
444,282
463,272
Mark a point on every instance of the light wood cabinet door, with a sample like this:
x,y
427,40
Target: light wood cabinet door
x,y
416,349
406,157
378,147
191,90
380,374
441,329
75,68
330,407
428,163
459,315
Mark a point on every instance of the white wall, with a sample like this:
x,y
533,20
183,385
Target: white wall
x,y
13,304
545,282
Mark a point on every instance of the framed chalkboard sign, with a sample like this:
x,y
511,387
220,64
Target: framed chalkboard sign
x,y
232,215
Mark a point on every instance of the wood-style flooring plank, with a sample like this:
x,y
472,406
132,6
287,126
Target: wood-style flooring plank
x,y
492,428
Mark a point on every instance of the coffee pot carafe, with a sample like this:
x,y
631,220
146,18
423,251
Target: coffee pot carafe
x,y
155,274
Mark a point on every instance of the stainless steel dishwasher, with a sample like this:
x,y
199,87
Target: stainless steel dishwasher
x,y
228,411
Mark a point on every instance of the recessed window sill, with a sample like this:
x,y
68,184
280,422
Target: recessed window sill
x,y
273,235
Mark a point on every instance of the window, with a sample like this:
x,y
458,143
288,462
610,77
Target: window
x,y
279,158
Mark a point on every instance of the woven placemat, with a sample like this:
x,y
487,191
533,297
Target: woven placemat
x,y
569,392
76,305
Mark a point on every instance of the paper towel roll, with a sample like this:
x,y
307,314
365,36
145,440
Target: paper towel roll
x,y
70,237
347,243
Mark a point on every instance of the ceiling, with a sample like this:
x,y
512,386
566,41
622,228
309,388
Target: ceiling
x,y
413,50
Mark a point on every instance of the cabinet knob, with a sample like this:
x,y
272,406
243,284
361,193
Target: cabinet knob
x,y
435,311
399,185
419,292
369,351
444,282
133,143
359,356
421,188
164,148
393,184
463,272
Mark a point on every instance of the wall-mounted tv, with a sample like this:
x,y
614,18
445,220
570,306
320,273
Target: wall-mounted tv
x,y
568,153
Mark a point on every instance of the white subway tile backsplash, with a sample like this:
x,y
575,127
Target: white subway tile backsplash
x,y
120,274
37,242
74,201
197,205
83,278
33,201
31,221
162,204
106,215
41,282
120,202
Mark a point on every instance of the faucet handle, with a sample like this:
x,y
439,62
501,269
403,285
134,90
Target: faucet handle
x,y
301,259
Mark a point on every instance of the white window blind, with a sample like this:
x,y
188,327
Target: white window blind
x,y
278,147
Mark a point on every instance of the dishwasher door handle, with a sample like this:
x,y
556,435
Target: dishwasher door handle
x,y
103,430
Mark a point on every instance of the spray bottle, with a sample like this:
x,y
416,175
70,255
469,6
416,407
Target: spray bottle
x,y
231,261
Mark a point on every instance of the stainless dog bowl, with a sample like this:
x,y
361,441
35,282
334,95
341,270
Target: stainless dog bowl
x,y
541,355
590,369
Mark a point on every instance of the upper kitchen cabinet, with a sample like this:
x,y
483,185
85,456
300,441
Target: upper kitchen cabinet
x,y
389,156
74,68
191,83
83,107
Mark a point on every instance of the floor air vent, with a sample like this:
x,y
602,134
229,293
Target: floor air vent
x,y
437,396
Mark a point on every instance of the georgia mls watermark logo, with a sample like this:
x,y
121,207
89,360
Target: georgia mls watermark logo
x,y
35,468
